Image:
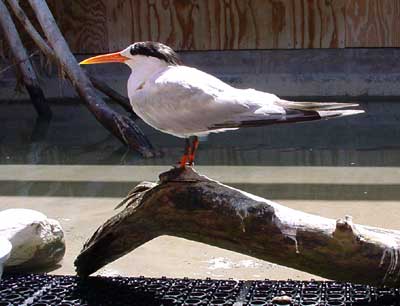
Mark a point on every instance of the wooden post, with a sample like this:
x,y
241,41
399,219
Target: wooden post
x,y
188,205
121,126
23,63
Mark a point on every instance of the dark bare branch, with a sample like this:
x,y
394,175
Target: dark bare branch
x,y
24,65
114,95
45,48
121,126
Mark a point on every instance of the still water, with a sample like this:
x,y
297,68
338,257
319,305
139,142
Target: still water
x,y
336,159
75,171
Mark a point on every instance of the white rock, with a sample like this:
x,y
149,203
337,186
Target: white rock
x,y
5,249
37,241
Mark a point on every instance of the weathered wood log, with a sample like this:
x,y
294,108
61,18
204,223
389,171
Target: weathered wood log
x,y
24,65
45,48
188,205
121,126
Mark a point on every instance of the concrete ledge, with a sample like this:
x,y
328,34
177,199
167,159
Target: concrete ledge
x,y
225,174
290,73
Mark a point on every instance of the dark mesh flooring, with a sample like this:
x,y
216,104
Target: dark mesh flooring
x,y
42,290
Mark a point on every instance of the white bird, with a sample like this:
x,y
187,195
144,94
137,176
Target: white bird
x,y
185,101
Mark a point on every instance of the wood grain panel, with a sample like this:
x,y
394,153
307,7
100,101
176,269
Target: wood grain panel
x,y
373,23
110,25
178,23
120,23
273,24
212,24
319,23
249,24
240,24
84,24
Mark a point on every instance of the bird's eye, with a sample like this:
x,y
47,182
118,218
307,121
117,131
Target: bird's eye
x,y
132,50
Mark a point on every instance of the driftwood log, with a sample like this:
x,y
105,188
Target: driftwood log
x,y
188,205
23,63
120,126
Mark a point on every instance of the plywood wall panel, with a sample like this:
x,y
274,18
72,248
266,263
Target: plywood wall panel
x,y
319,23
183,24
373,23
120,24
84,24
240,24
268,24
110,25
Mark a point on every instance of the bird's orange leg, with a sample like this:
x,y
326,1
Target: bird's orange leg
x,y
192,154
186,154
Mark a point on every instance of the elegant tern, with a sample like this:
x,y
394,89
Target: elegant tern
x,y
185,101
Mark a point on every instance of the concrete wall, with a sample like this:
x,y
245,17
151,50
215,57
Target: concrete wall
x,y
335,73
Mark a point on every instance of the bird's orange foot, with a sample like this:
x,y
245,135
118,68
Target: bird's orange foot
x,y
186,157
191,160
193,150
183,161
189,155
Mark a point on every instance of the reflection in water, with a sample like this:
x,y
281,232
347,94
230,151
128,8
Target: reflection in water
x,y
74,137
40,129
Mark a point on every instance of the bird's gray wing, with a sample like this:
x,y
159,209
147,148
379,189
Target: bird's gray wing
x,y
269,109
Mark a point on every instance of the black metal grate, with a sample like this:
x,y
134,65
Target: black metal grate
x,y
43,290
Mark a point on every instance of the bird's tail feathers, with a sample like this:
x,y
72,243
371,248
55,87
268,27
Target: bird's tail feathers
x,y
315,106
338,113
324,110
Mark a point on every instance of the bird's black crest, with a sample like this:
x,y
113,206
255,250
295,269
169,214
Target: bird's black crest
x,y
155,49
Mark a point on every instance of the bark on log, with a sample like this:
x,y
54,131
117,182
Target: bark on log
x,y
24,65
121,126
188,205
44,47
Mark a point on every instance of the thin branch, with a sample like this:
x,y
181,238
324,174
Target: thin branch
x,y
26,23
18,62
24,65
45,48
108,91
121,126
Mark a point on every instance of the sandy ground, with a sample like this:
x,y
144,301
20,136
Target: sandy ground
x,y
176,257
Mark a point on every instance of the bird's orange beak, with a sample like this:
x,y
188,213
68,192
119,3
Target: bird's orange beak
x,y
105,58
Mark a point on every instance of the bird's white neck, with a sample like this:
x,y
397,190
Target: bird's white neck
x,y
143,68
